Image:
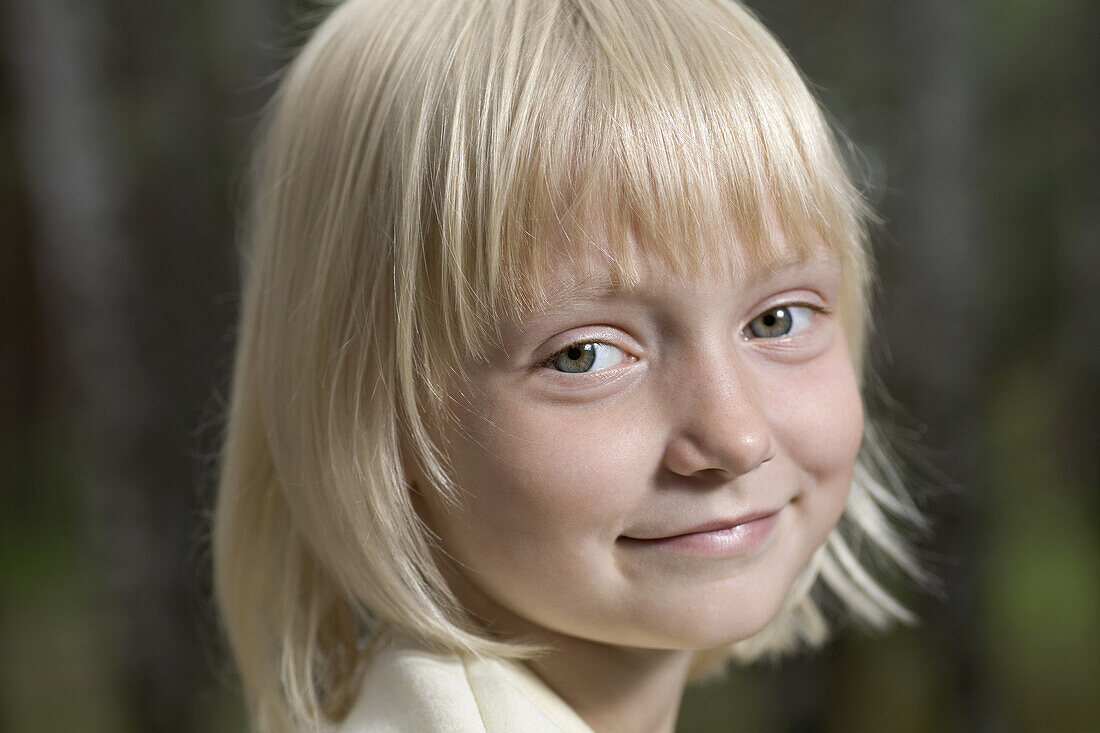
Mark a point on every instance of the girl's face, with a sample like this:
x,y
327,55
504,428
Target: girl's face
x,y
653,466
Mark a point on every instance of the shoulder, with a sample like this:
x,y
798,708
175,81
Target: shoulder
x,y
406,687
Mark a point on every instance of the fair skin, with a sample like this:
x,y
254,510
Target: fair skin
x,y
646,470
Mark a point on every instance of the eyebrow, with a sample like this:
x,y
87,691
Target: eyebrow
x,y
593,286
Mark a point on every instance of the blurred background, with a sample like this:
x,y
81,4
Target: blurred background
x,y
124,129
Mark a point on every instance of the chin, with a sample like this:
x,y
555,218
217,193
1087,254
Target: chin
x,y
721,621
705,624
729,630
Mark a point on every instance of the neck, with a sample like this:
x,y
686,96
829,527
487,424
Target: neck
x,y
616,689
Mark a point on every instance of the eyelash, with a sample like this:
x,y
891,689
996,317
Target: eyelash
x,y
580,346
548,363
815,310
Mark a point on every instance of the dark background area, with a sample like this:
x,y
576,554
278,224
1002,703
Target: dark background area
x,y
124,128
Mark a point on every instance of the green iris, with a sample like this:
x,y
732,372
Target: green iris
x,y
575,359
772,323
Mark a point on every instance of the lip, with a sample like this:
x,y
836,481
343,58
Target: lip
x,y
719,537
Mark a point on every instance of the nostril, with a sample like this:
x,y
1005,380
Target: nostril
x,y
729,455
684,458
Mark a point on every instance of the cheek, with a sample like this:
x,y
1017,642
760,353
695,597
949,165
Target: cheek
x,y
542,498
536,485
821,431
822,424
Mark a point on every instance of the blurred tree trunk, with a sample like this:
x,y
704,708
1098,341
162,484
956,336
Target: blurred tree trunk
x,y
1079,269
86,261
936,292
128,141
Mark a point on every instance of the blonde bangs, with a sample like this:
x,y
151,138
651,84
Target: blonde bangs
x,y
601,132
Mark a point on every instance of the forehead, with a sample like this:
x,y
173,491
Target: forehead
x,y
570,272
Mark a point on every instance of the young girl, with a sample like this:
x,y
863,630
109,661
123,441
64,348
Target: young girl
x,y
547,391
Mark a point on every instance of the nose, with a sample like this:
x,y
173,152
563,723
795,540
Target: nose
x,y
719,426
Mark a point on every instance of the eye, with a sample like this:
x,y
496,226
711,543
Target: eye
x,y
783,320
587,356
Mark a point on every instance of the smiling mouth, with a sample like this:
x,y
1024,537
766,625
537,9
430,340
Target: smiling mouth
x,y
723,537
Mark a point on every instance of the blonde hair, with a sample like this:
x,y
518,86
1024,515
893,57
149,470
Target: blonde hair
x,y
417,162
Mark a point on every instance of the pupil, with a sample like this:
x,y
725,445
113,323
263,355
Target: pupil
x,y
575,359
776,322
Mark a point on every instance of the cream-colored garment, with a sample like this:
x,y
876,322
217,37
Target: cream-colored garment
x,y
409,688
